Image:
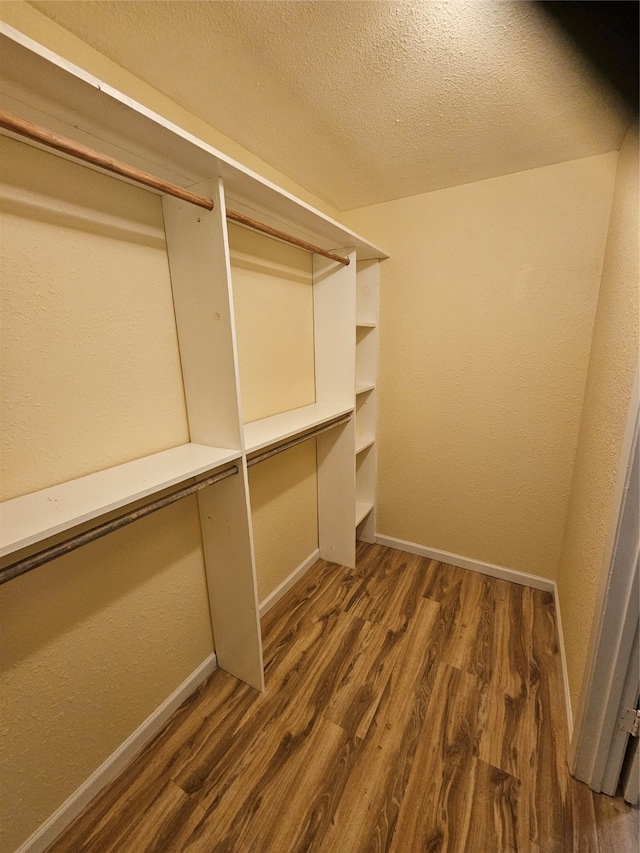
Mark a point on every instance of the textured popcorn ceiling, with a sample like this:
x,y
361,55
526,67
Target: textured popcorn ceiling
x,y
363,102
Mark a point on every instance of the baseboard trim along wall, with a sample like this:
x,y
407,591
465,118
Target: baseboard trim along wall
x,y
502,573
288,582
115,763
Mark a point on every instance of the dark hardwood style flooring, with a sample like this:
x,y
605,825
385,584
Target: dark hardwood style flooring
x,y
410,706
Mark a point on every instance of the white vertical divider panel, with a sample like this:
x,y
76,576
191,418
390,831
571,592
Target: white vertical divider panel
x,y
197,245
227,539
334,305
367,286
201,297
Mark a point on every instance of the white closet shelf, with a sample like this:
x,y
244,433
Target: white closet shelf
x,y
366,325
34,517
266,431
91,112
363,508
364,387
362,442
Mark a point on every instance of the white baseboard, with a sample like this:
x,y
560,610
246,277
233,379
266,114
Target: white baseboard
x,y
563,662
288,582
117,761
501,572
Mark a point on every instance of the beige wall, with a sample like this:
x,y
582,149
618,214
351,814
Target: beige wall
x,y
614,358
486,312
273,300
94,642
90,363
284,514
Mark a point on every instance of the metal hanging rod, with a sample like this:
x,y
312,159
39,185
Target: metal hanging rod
x,y
248,222
88,155
274,451
81,152
21,567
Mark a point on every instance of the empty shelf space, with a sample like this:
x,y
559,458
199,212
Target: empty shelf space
x,y
362,510
362,442
364,387
266,431
34,517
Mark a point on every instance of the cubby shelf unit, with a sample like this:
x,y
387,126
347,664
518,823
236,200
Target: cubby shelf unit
x,y
367,297
43,88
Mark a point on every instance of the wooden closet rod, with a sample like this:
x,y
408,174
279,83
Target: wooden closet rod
x,y
68,146
21,567
241,219
267,454
88,155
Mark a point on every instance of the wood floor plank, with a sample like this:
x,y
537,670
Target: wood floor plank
x,y
471,646
405,585
367,812
513,617
550,803
507,732
358,694
164,825
306,804
441,579
259,751
121,801
380,576
434,812
497,811
323,590
228,748
584,834
617,824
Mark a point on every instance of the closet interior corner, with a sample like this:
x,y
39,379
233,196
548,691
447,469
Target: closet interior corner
x,y
274,351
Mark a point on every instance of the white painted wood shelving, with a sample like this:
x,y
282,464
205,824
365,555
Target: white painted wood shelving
x,y
43,88
367,295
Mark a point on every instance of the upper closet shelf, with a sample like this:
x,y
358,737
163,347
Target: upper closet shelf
x,y
267,431
41,87
34,517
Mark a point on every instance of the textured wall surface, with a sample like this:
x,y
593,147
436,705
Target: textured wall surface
x,y
284,512
614,357
486,314
366,102
273,300
94,642
90,364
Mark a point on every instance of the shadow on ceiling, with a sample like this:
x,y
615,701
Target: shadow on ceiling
x,y
606,33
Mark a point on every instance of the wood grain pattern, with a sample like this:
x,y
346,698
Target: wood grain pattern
x,y
410,706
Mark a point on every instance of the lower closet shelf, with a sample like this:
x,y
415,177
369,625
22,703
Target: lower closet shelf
x,y
362,511
33,518
262,433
